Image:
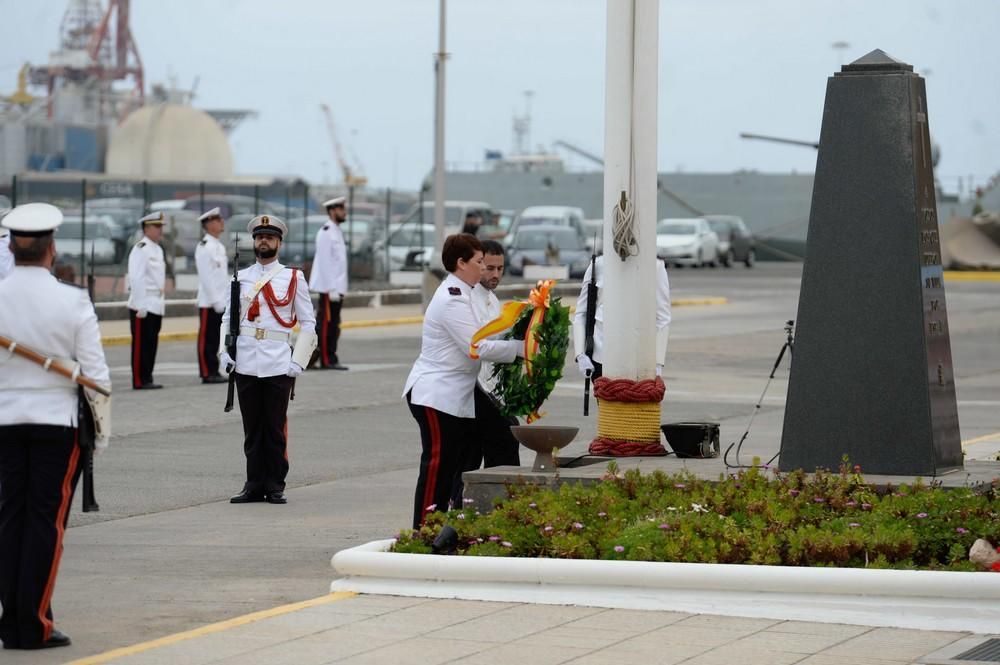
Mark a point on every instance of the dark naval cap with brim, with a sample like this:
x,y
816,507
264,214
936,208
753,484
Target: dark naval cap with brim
x,y
267,224
33,219
156,218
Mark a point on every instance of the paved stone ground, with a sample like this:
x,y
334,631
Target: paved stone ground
x,y
168,553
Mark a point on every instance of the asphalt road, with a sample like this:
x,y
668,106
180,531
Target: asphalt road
x,y
167,552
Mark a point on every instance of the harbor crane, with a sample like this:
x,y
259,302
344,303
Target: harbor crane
x,y
351,179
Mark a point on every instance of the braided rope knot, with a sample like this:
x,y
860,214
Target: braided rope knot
x,y
623,229
628,422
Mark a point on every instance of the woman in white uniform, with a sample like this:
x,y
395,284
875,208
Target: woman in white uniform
x,y
441,385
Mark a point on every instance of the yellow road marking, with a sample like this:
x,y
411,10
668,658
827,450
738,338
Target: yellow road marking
x,y
211,628
980,439
971,276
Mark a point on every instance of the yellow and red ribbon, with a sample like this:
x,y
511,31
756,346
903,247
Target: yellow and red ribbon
x,y
509,314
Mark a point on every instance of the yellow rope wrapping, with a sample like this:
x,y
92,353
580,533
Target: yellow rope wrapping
x,y
629,421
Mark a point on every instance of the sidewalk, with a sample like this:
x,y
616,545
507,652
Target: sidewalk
x,y
357,629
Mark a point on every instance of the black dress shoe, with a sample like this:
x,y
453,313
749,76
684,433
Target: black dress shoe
x,y
247,496
148,386
276,497
56,639
338,366
215,378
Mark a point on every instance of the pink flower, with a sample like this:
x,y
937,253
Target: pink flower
x,y
921,516
494,539
602,514
547,529
506,543
532,505
679,486
818,499
853,524
793,492
619,548
866,506
431,507
962,530
851,504
577,525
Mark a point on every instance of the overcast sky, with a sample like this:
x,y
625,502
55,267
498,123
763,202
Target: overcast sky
x,y
726,66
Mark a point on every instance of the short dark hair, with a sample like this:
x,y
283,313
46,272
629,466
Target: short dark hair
x,y
492,247
459,246
29,249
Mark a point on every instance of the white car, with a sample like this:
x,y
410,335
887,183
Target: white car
x,y
410,246
73,237
548,216
687,242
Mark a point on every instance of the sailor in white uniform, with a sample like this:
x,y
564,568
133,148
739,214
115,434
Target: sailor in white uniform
x,y
499,447
273,299
147,271
6,258
213,294
440,388
593,366
39,452
328,278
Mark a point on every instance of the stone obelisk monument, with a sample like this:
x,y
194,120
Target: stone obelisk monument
x,y
871,374
631,415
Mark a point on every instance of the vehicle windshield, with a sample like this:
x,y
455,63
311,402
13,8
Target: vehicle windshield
x,y
676,229
411,236
74,230
560,238
536,221
719,226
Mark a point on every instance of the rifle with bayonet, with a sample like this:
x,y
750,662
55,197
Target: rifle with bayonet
x,y
589,323
235,315
85,422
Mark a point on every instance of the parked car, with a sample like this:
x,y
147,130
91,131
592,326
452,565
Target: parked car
x,y
548,244
409,247
739,241
688,242
125,214
74,236
181,233
4,202
454,217
229,205
299,246
549,216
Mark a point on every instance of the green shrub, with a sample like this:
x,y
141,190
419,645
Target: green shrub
x,y
753,517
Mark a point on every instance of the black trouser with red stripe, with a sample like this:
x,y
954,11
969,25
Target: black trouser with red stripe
x,y
145,339
442,437
210,323
38,473
264,406
491,445
328,329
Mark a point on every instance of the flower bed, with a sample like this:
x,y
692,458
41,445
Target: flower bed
x,y
823,519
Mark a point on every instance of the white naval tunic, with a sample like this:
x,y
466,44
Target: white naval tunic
x,y
269,357
444,376
213,276
486,305
580,318
329,267
6,258
57,320
147,275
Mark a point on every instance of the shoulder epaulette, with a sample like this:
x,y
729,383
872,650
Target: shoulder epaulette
x,y
141,243
203,242
454,290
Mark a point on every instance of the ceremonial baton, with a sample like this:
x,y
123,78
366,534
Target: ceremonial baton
x,y
51,365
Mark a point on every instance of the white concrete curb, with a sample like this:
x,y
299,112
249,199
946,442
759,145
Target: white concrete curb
x,y
897,598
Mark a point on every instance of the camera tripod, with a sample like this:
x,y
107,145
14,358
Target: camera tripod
x,y
787,346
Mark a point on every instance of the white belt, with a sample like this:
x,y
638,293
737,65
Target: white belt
x,y
264,333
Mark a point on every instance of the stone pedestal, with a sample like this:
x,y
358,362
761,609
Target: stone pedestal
x,y
871,373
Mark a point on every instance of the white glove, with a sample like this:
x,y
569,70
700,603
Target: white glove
x,y
225,362
585,366
335,297
141,314
294,369
219,308
659,369
100,445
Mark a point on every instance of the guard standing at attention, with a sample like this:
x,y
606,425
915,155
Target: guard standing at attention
x,y
329,279
39,452
147,273
593,367
213,294
273,298
440,388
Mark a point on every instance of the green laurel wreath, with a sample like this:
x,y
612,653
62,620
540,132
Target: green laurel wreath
x,y
519,394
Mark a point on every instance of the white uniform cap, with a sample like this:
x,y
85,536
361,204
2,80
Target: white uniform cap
x,y
33,219
214,212
339,201
153,218
267,224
